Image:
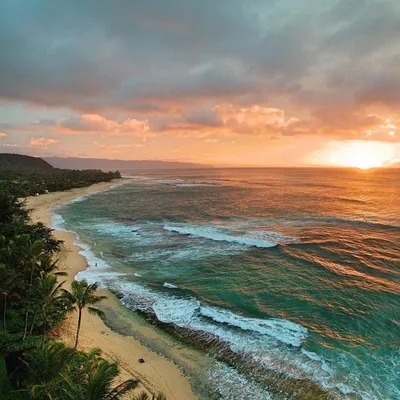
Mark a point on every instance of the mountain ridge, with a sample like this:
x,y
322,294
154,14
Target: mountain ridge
x,y
21,161
109,164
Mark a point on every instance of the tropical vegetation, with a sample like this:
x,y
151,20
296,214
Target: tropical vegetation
x,y
81,296
28,176
34,300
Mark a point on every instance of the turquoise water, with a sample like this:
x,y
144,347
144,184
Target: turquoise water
x,y
294,271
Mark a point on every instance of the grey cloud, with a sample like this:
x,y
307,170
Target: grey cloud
x,y
197,119
165,59
383,90
45,122
364,27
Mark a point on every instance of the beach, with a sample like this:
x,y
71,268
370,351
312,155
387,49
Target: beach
x,y
157,374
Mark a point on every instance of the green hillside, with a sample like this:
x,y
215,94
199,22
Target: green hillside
x,y
27,176
23,162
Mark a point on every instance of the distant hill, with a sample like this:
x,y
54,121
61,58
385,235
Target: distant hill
x,y
18,161
27,176
111,165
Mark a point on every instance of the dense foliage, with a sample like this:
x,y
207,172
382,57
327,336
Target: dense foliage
x,y
26,176
59,372
34,301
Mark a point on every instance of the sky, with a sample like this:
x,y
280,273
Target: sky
x,y
222,82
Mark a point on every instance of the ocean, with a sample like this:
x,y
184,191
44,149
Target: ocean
x,y
286,280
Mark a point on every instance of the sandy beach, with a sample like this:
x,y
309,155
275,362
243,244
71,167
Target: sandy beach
x,y
157,374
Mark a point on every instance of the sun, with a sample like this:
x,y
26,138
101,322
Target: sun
x,y
357,154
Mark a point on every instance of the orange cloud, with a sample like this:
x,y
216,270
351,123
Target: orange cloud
x,y
356,125
2,135
387,130
209,140
42,142
94,123
254,119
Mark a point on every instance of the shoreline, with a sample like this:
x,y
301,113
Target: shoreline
x,y
157,374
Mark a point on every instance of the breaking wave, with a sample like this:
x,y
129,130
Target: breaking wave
x,y
274,344
250,239
170,285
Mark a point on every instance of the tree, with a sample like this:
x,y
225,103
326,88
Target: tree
x,y
47,290
95,380
13,214
39,231
83,295
46,366
35,252
5,279
5,294
59,372
30,298
48,267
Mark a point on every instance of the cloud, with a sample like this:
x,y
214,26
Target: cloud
x,y
383,90
2,135
254,119
210,140
170,63
199,120
94,123
101,67
227,118
42,142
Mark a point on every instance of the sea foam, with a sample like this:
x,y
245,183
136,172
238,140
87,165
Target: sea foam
x,y
170,285
250,239
270,342
283,330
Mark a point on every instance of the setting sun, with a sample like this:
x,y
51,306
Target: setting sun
x,y
357,154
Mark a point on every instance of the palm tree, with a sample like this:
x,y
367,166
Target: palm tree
x,y
5,294
46,366
96,382
48,289
6,279
50,267
84,295
34,251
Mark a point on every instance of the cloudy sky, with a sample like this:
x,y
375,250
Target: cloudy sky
x,y
226,82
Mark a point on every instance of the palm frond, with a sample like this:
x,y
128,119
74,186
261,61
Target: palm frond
x,y
92,299
93,353
93,287
141,396
96,311
122,389
68,295
57,288
73,392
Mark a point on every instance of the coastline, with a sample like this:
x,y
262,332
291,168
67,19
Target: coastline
x,y
157,374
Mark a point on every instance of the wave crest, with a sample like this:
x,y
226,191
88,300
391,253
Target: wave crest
x,y
259,239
